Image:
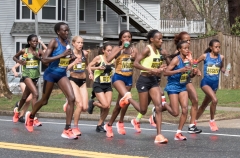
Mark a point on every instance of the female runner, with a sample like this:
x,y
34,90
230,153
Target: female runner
x,y
213,64
57,55
102,87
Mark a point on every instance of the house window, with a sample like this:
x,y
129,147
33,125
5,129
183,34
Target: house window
x,y
24,12
49,10
64,9
123,19
52,10
82,10
99,11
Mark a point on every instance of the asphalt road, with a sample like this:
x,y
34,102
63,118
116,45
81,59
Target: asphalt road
x,y
46,142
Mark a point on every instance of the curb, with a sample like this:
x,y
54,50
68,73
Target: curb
x,y
63,116
96,117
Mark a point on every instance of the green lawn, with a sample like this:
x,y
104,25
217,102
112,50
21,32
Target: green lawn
x,y
228,98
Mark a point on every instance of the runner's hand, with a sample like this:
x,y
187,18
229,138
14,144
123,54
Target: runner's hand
x,y
91,76
185,69
77,60
101,68
15,74
67,52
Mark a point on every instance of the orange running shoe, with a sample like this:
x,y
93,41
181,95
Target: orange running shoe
x,y
124,100
151,121
213,126
160,139
16,115
28,122
65,106
136,125
179,136
120,128
36,122
108,129
76,132
68,134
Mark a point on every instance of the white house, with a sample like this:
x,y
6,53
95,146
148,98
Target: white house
x,y
95,20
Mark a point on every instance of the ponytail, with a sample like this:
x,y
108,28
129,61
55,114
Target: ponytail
x,y
207,50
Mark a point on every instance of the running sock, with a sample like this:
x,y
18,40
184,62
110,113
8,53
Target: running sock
x,y
163,100
75,126
31,116
191,125
67,127
179,131
139,116
212,120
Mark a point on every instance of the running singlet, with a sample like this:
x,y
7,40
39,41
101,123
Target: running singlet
x,y
31,69
179,77
124,64
152,61
80,67
212,67
59,65
104,76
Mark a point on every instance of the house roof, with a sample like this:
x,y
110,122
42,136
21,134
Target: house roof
x,y
29,28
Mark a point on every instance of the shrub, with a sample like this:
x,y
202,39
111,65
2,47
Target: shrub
x,y
235,30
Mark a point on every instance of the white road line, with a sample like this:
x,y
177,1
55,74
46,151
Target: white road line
x,y
145,129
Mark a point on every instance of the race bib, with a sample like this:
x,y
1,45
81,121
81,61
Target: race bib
x,y
183,78
63,62
156,63
212,70
32,64
105,79
79,67
127,65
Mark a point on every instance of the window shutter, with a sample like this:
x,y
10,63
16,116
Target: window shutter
x,y
59,9
17,9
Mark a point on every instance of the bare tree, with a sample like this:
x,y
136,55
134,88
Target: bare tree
x,y
4,89
215,12
234,10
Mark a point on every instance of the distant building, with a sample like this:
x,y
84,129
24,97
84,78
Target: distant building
x,y
139,16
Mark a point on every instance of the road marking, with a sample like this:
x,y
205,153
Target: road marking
x,y
61,151
146,129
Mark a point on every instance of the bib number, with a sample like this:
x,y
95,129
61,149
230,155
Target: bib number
x,y
127,65
213,70
105,79
63,62
183,78
32,64
156,63
79,67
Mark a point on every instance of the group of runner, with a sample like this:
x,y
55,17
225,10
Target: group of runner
x,y
114,67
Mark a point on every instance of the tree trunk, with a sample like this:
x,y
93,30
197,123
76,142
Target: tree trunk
x,y
4,90
234,10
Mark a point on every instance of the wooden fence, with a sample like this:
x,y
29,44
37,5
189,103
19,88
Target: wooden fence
x,y
230,48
